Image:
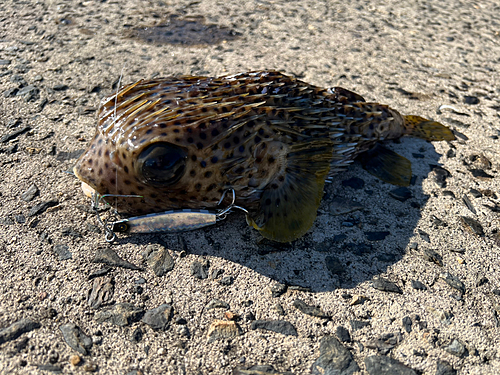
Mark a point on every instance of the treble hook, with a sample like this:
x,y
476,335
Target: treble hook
x,y
110,235
221,215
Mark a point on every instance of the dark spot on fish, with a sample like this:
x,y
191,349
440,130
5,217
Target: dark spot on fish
x,y
190,140
125,169
163,134
194,158
261,131
274,186
257,139
271,159
281,178
240,170
183,192
180,111
90,161
100,172
199,145
112,181
177,139
203,136
149,131
106,165
241,148
211,187
176,130
163,126
204,109
267,202
259,160
203,163
177,123
214,160
127,182
208,174
236,140
215,132
140,188
227,145
153,195
192,173
197,187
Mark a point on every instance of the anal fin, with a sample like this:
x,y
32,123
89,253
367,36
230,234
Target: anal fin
x,y
387,165
289,203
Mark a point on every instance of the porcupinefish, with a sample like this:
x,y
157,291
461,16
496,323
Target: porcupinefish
x,y
181,142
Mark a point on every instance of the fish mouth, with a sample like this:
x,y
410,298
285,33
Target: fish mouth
x,y
88,190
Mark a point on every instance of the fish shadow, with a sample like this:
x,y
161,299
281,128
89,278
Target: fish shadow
x,y
341,250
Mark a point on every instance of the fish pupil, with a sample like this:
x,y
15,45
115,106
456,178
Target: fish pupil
x,y
162,164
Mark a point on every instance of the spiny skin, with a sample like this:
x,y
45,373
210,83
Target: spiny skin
x,y
270,137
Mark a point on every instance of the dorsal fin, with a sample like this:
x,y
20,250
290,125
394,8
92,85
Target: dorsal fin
x,y
289,203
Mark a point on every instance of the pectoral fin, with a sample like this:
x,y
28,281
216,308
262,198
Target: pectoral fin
x,y
289,203
387,165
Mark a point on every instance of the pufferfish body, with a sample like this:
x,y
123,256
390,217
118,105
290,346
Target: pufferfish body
x,y
181,142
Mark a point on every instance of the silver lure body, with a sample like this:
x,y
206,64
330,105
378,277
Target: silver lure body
x,y
169,221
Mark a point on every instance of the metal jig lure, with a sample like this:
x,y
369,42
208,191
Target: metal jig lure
x,y
170,221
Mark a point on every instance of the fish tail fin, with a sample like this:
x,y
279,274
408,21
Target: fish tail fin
x,y
420,127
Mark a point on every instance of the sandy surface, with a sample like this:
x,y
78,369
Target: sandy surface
x,y
415,57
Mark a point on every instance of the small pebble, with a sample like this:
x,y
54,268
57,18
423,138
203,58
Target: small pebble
x,y
222,329
472,225
109,257
278,289
159,259
377,236
444,368
358,299
401,194
42,207
382,365
456,348
358,324
75,360
278,326
158,318
30,194
120,314
62,251
309,310
227,280
343,334
334,358
217,304
432,256
199,270
385,285
355,183
453,281
76,339
407,324
16,329
279,309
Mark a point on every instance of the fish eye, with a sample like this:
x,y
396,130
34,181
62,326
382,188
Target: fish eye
x,y
162,164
